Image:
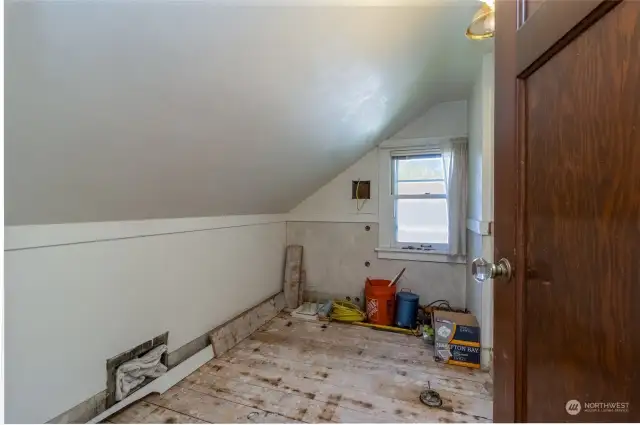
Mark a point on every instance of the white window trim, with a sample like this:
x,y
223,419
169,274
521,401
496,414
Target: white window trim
x,y
386,238
429,256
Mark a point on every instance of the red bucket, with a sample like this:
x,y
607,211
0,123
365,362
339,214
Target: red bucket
x,y
381,301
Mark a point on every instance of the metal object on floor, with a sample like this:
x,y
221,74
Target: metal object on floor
x,y
386,328
430,397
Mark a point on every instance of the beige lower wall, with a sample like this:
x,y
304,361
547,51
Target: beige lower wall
x,y
334,259
479,296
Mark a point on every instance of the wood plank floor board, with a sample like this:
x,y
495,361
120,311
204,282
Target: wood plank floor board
x,y
327,356
349,334
310,335
350,376
273,393
357,332
213,409
294,371
290,405
362,395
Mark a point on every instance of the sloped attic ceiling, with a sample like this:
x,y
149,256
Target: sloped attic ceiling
x,y
135,110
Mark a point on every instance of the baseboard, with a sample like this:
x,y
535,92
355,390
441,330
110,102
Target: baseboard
x,y
190,348
83,412
160,385
228,335
180,362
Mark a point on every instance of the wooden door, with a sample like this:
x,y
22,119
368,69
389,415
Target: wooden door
x,y
567,211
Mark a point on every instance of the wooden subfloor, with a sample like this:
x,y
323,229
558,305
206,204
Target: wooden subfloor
x,y
297,371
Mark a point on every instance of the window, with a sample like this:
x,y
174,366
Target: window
x,y
419,195
422,199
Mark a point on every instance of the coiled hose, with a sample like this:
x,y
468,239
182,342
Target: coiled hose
x,y
345,311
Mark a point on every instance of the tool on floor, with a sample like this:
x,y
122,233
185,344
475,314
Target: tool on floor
x,y
397,278
385,328
430,397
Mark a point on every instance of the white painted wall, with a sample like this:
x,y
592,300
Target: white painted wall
x,y
479,297
447,119
78,294
332,230
332,202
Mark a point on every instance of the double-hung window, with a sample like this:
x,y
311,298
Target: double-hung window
x,y
418,189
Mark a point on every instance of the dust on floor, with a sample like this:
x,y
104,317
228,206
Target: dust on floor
x,y
292,371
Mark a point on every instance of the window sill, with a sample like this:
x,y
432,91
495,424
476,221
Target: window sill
x,y
430,256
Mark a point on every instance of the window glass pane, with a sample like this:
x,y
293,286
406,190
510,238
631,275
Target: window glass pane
x,y
422,221
420,188
421,168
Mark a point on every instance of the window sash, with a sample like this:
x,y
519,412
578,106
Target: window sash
x,y
418,155
416,246
427,246
395,180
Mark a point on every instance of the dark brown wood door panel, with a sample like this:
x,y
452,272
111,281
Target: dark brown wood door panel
x,y
567,208
582,218
531,6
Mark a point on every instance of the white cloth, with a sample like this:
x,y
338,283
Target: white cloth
x,y
132,373
455,159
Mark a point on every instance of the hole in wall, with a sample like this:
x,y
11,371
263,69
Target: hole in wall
x,y
114,362
361,189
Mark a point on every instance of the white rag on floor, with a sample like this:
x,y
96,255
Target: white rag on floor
x,y
132,373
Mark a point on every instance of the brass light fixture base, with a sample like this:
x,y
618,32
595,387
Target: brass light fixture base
x,y
476,30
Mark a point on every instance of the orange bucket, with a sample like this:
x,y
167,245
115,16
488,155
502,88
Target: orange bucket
x,y
380,299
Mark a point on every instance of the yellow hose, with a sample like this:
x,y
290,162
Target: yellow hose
x,y
345,311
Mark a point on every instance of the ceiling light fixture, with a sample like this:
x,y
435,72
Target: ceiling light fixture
x,y
483,24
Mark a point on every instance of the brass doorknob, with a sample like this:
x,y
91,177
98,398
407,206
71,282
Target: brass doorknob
x,y
483,270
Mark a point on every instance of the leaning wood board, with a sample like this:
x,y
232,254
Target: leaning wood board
x,y
293,276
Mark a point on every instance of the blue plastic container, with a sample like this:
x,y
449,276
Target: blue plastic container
x,y
406,309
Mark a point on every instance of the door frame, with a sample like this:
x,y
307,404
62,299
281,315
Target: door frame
x,y
522,45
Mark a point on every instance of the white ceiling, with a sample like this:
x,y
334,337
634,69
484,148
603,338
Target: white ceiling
x,y
135,110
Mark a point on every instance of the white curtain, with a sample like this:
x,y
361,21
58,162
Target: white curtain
x,y
454,156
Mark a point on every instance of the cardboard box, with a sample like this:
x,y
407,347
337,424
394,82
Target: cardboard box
x,y
457,338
